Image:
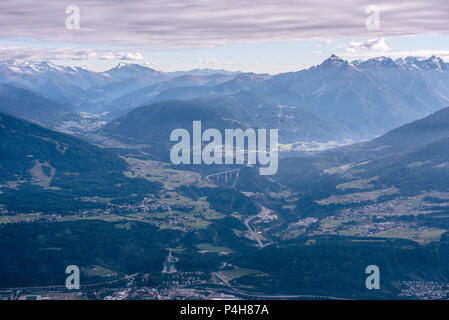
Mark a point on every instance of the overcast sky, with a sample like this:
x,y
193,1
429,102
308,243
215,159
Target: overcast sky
x,y
262,36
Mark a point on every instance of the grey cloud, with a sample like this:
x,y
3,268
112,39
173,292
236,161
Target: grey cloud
x,y
201,23
378,45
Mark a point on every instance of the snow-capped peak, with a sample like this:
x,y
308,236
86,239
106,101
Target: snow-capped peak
x,y
130,67
377,62
432,63
131,70
333,61
25,66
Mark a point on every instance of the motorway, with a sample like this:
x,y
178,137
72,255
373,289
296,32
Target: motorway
x,y
63,288
253,234
265,296
264,211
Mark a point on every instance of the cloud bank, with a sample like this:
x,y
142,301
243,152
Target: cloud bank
x,y
209,23
65,54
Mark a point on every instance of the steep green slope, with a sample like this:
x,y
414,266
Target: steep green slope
x,y
37,162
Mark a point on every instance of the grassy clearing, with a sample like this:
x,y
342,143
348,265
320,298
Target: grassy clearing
x,y
156,171
211,248
437,195
97,271
239,272
357,184
357,197
426,235
329,223
22,217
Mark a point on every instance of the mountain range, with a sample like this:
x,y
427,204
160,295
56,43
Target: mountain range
x,y
148,128
363,99
412,159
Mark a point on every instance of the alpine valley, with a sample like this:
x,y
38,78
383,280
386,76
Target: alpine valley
x,y
363,179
